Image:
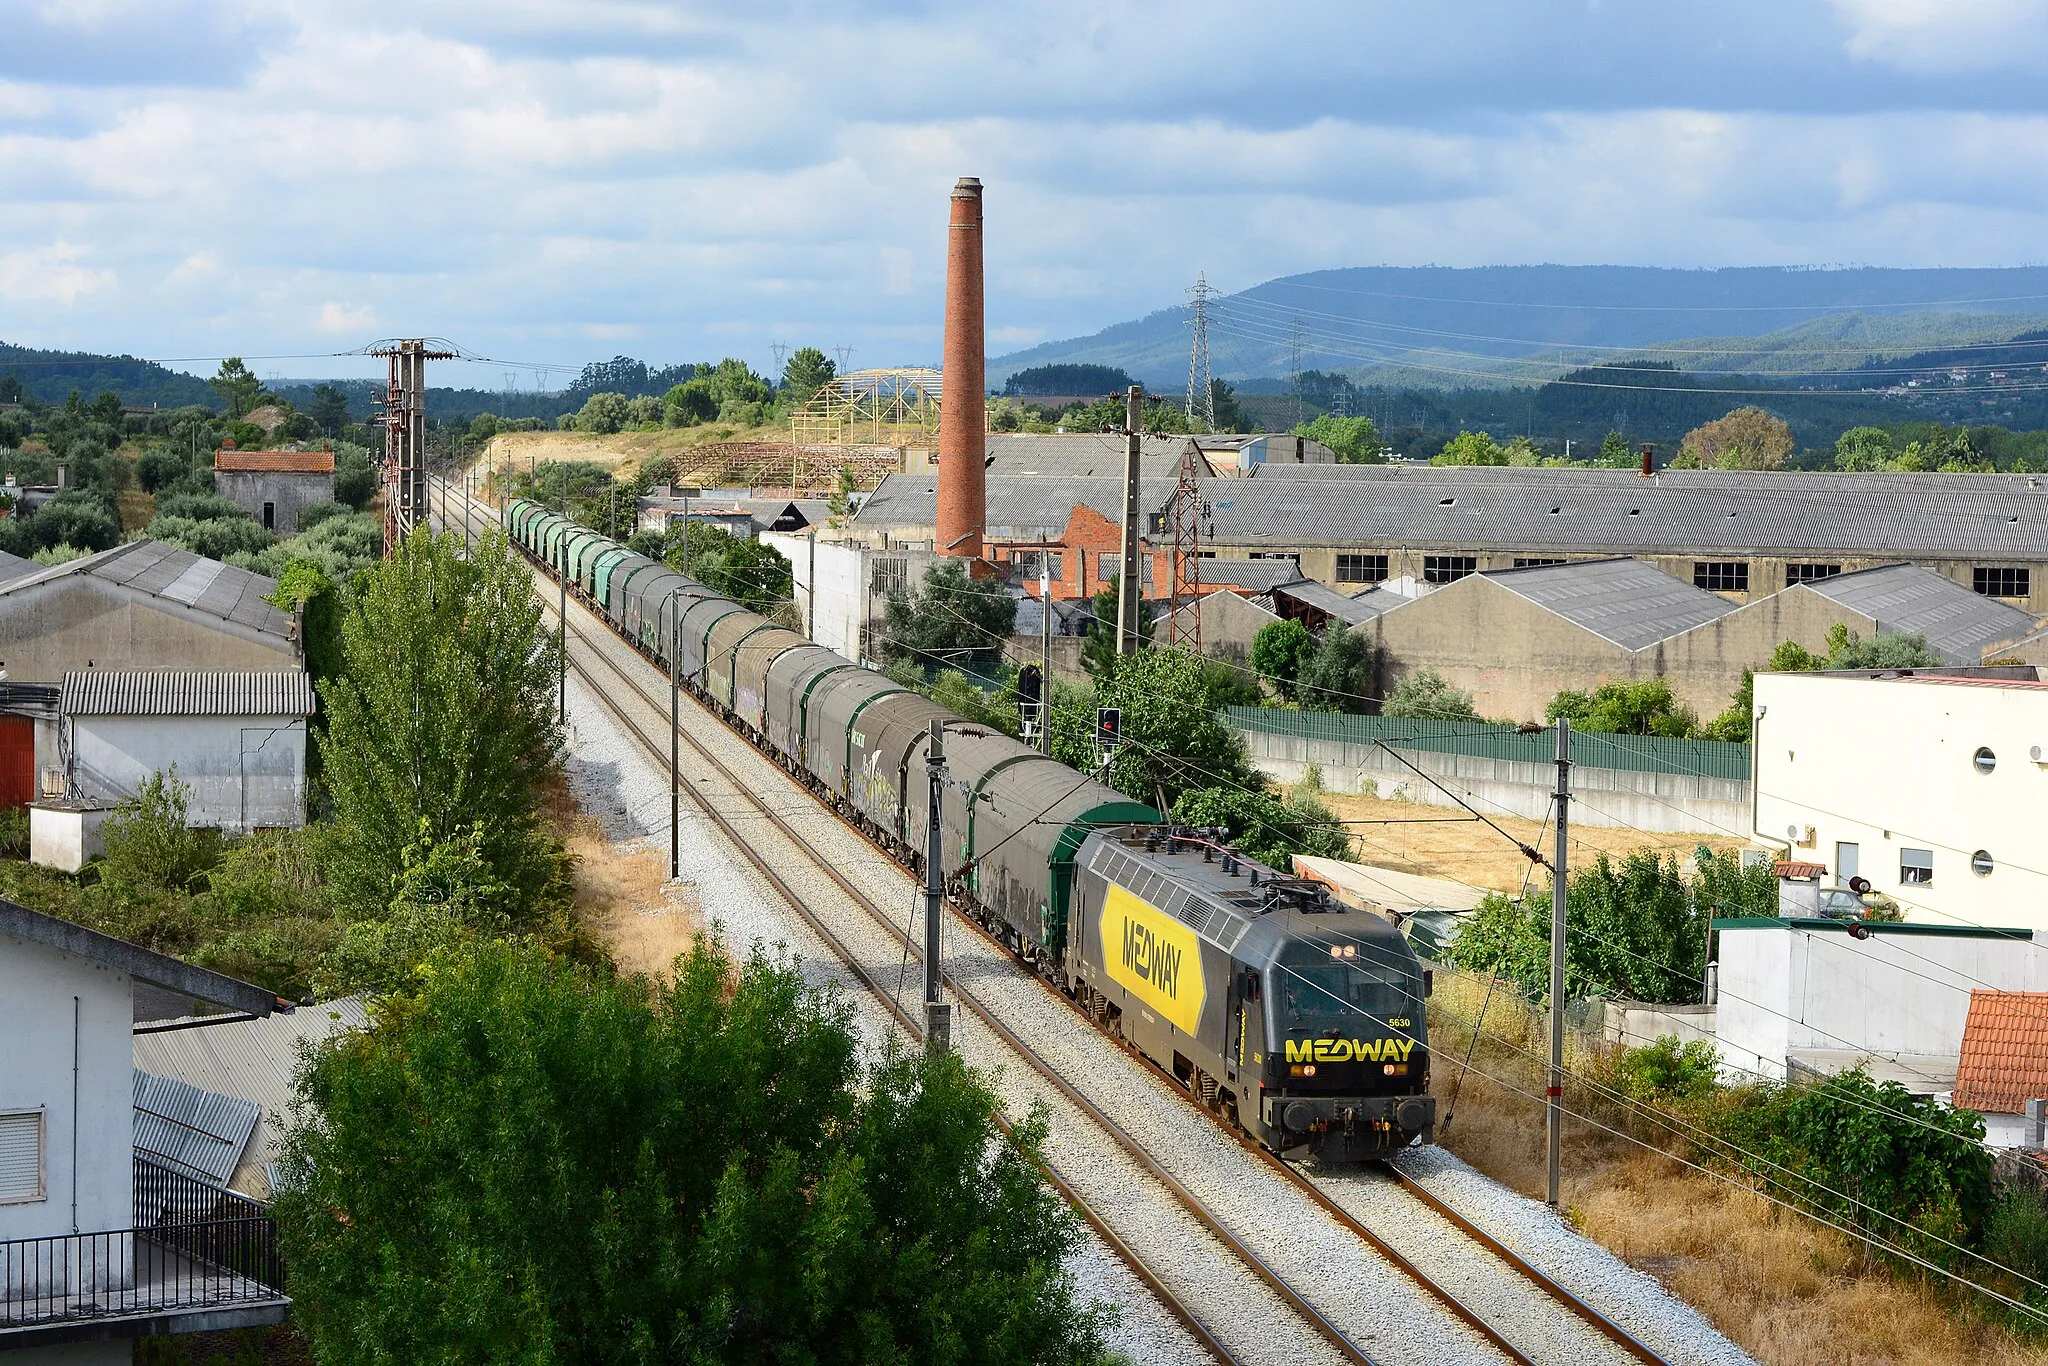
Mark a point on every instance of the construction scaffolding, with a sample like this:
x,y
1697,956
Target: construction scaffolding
x,y
871,408
404,420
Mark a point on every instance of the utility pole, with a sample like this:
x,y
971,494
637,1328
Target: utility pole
x,y
675,730
1553,1113
1130,583
562,613
811,590
938,1024
1044,653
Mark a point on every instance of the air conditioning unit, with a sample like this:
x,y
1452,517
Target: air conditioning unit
x,y
2038,753
1801,835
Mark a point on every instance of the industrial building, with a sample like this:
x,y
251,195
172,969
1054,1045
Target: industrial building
x,y
275,486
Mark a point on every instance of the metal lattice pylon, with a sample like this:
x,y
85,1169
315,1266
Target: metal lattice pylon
x,y
1201,392
1187,554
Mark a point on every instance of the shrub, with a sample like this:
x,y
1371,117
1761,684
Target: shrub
x,y
1279,651
1422,694
1666,1072
14,832
1263,827
148,845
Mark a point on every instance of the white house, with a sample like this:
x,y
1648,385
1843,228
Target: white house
x,y
238,740
83,1271
1932,787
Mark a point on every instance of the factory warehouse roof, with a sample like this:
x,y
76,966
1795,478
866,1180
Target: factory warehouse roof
x,y
1082,455
1019,507
1676,512
175,576
1958,623
182,692
1623,600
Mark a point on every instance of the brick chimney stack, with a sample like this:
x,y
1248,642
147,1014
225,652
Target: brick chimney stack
x,y
963,420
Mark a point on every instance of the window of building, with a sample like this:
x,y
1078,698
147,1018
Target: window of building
x,y
1721,576
1981,864
1108,567
21,1156
1848,861
1810,573
891,574
1448,568
1984,759
1361,568
1537,561
1916,867
270,516
2001,580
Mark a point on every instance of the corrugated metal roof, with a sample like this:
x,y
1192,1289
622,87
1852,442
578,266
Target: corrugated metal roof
x,y
274,462
252,1061
1958,623
1020,507
1084,455
190,1129
1353,611
180,692
1623,600
1991,516
175,575
1258,576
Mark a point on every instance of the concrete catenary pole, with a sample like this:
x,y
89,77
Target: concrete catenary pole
x,y
937,1018
811,590
562,614
1553,1112
1130,597
675,731
1044,653
963,416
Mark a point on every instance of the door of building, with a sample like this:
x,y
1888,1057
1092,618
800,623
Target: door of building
x,y
17,761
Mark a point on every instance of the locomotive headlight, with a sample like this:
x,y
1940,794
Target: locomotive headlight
x,y
1351,950
1336,950
1397,1069
1309,1070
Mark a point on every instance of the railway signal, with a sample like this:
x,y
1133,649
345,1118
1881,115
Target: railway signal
x,y
1030,706
1109,732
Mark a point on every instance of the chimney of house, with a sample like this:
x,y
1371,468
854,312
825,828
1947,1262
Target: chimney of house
x,y
1649,460
963,422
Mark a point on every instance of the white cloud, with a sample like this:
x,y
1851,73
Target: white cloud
x,y
337,317
50,273
1947,35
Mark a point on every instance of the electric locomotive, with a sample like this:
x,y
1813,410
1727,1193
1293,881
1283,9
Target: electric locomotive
x,y
1299,1017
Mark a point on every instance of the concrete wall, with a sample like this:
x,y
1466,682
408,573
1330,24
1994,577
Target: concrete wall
x,y
289,494
37,988
1888,765
1785,988
245,772
1663,802
1229,623
79,622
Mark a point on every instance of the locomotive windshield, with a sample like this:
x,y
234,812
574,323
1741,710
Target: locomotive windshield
x,y
1362,991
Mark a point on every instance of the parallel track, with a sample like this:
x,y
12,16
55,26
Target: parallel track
x,y
1481,1240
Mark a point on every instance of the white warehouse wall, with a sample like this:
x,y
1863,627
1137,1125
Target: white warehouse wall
x,y
839,605
244,771
37,986
1903,990
1887,765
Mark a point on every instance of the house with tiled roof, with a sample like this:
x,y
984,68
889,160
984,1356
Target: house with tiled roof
x,y
2004,1063
275,486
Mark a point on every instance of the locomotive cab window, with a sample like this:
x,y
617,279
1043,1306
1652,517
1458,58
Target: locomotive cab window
x,y
1359,991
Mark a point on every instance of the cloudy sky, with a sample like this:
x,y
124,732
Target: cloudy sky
x,y
548,181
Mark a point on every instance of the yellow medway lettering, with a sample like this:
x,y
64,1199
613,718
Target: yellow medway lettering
x,y
1349,1050
1154,957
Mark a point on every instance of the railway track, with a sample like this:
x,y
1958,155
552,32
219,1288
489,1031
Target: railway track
x,y
1454,1248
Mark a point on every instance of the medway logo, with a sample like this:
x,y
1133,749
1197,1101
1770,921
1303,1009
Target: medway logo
x,y
1154,957
1349,1050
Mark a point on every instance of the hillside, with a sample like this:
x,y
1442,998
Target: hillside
x,y
51,375
1437,326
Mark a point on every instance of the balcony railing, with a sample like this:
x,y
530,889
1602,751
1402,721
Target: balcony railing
x,y
194,1248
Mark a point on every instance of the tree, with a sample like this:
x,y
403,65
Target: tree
x,y
1223,398
1470,448
355,477
442,720
1098,647
602,413
808,371
750,572
1645,708
1846,650
1422,694
529,1161
1614,452
1263,827
1356,440
951,618
1745,439
329,409
1046,381
237,386
1864,448
1341,674
1279,652
1172,737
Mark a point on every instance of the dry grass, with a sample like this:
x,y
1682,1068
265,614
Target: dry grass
x,y
138,509
623,452
1444,841
1781,1287
624,900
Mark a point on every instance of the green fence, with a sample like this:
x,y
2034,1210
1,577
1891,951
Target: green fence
x,y
1488,740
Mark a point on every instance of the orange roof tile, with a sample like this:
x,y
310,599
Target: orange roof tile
x,y
2005,1052
275,462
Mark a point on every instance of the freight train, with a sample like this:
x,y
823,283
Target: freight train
x,y
1296,1018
